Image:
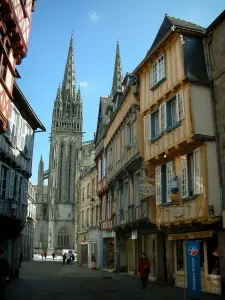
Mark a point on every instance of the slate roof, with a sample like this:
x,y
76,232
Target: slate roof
x,y
167,24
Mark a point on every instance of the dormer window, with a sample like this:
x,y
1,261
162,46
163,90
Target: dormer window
x,y
158,70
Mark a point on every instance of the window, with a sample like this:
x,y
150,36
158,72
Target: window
x,y
175,110
93,187
110,155
155,125
83,192
104,166
164,175
109,206
118,202
103,208
4,181
191,174
125,195
137,189
99,170
88,217
63,238
92,215
158,70
88,190
128,134
180,255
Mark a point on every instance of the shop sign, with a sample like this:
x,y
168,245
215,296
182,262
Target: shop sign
x,y
190,235
147,186
134,235
193,268
179,212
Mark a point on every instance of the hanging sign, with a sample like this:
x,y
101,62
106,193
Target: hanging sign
x,y
193,268
174,184
147,186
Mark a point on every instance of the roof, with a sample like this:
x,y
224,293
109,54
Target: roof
x,y
25,109
169,25
216,22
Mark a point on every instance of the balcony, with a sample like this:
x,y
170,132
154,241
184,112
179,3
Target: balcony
x,y
101,187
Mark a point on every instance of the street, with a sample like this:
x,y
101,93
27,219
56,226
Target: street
x,y
48,280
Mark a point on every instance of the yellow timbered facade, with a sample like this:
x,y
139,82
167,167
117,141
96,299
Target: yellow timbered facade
x,y
180,147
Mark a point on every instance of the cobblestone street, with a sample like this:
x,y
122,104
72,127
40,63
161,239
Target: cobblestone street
x,y
52,280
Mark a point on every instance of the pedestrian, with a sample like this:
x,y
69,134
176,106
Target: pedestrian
x,y
42,255
68,258
21,259
144,269
4,273
73,257
45,254
64,258
53,255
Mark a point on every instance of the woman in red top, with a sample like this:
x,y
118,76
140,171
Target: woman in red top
x,y
144,269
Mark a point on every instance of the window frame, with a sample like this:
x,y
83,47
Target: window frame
x,y
158,71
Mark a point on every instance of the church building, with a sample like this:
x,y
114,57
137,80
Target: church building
x,y
56,227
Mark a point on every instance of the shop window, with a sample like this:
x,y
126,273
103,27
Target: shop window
x,y
213,256
180,255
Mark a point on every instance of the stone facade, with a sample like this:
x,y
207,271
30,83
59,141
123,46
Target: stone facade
x,y
27,236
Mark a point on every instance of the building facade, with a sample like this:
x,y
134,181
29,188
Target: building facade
x,y
14,34
88,219
214,43
56,227
180,148
16,152
27,235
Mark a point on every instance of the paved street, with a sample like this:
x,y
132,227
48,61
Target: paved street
x,y
49,280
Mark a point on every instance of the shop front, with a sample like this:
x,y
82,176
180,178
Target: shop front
x,y
84,248
93,247
209,259
108,249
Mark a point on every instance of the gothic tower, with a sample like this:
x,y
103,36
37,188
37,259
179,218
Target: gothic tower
x,y
117,75
64,160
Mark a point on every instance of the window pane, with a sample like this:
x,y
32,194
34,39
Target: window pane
x,y
157,131
173,112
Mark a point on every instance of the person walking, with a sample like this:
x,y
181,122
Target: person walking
x,y
64,258
73,257
68,258
53,255
45,254
4,273
42,255
144,269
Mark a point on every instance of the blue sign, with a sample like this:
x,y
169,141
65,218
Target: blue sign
x,y
193,268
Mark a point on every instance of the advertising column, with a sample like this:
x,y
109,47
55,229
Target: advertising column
x,y
193,269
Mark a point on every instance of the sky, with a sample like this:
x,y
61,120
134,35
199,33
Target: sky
x,y
97,24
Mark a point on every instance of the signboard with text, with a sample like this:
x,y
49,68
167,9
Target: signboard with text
x,y
147,186
193,268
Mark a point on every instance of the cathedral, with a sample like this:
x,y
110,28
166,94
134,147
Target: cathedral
x,y
56,227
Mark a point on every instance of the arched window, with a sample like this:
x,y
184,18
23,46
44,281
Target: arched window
x,y
63,238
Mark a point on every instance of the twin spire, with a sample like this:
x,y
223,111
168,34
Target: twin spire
x,y
68,91
118,75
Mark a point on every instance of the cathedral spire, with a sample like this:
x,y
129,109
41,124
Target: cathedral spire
x,y
117,76
58,95
78,97
69,81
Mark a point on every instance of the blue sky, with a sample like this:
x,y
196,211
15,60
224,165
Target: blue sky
x,y
96,24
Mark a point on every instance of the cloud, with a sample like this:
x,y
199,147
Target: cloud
x,y
83,84
93,16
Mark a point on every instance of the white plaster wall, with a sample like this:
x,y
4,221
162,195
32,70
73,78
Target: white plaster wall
x,y
213,179
201,109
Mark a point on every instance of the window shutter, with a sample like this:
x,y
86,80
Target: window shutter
x,y
127,134
11,183
184,172
180,106
158,185
197,171
147,127
169,177
22,134
162,117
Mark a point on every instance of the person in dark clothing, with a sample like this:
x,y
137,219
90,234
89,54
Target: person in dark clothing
x,y
45,255
21,258
64,258
53,255
73,257
144,269
4,273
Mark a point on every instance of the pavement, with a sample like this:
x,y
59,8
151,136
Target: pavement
x,y
51,280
